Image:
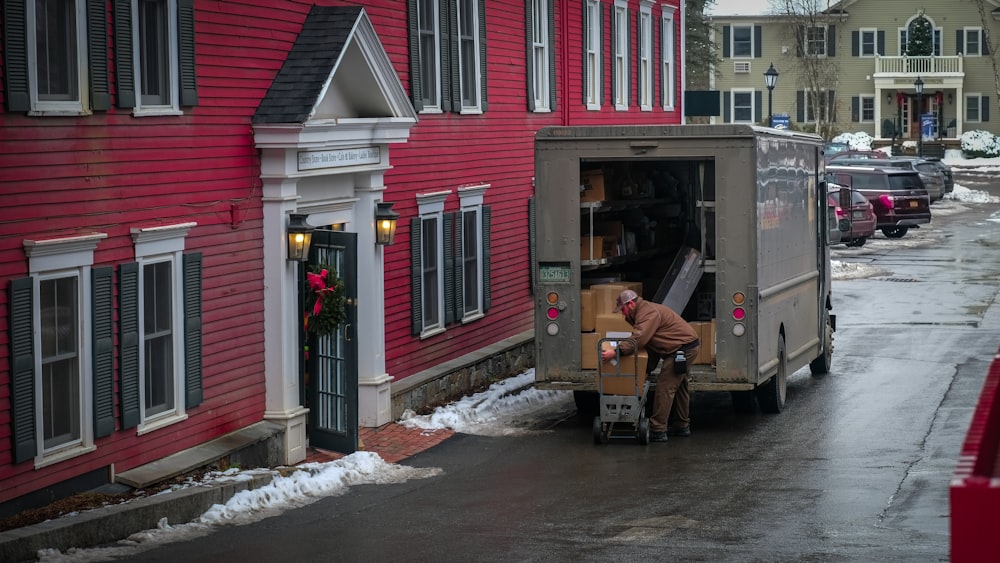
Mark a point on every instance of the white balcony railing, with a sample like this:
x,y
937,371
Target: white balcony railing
x,y
918,65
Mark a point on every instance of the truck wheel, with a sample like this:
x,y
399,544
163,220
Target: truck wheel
x,y
599,436
894,232
822,364
771,395
587,402
743,402
860,241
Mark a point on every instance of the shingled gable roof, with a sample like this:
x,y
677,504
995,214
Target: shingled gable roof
x,y
337,70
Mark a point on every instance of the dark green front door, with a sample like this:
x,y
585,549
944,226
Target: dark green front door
x,y
331,367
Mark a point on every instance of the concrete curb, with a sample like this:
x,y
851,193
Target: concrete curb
x,y
112,523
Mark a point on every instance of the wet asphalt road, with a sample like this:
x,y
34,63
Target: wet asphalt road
x,y
856,468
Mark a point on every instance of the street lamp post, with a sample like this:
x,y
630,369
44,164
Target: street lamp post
x,y
918,85
770,80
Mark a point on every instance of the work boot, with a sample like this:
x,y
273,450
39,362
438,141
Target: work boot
x,y
680,432
658,437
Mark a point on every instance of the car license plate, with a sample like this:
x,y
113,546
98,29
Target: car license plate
x,y
914,203
858,214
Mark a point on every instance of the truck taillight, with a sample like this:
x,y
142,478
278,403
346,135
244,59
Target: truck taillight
x,y
552,298
739,313
552,313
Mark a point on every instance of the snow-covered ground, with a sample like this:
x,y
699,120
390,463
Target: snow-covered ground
x,y
500,410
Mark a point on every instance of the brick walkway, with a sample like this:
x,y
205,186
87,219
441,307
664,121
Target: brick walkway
x,y
393,442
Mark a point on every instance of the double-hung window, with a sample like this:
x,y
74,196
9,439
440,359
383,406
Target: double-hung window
x,y
645,56
60,348
592,41
427,237
815,41
621,60
539,58
817,106
470,236
743,109
667,38
447,55
57,52
154,37
867,102
976,107
972,45
867,39
742,41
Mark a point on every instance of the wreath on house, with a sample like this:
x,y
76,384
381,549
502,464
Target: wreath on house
x,y
325,302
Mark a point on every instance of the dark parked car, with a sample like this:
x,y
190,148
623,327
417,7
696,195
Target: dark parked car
x,y
949,176
860,215
897,195
930,173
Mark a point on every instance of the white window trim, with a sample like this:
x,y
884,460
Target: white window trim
x,y
806,42
594,73
154,245
667,72
978,97
861,108
646,56
861,42
965,39
904,31
540,56
80,106
478,80
732,41
621,55
432,205
471,198
56,258
174,107
732,104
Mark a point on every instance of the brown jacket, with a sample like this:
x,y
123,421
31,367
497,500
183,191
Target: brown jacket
x,y
657,328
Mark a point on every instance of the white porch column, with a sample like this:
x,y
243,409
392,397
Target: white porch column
x,y
281,337
374,384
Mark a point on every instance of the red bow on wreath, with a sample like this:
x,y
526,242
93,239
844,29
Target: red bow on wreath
x,y
317,282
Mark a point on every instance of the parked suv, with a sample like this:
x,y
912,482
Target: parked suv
x,y
949,176
897,195
860,215
930,174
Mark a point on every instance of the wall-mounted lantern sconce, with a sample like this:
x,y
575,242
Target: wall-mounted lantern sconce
x,y
385,223
299,237
951,98
888,98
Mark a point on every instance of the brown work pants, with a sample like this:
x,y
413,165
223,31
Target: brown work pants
x,y
672,393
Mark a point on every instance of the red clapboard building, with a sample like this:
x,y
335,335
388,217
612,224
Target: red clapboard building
x,y
156,158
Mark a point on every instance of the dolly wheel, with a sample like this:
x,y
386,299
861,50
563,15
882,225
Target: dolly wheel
x,y
642,433
599,436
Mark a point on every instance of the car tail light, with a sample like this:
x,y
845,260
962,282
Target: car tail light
x,y
886,200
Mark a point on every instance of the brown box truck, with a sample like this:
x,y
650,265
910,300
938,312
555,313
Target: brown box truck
x,y
729,225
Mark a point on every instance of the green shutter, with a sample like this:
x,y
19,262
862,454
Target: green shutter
x,y
758,41
97,39
800,106
192,330
413,25
186,53
855,43
101,298
529,24
532,234
726,30
15,47
758,105
22,368
985,115
482,56
831,41
450,82
487,215
449,267
416,304
124,64
128,346
459,265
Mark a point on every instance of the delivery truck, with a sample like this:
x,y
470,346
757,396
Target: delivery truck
x,y
729,225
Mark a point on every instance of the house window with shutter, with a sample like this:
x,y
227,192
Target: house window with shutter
x,y
743,110
867,102
447,42
667,79
428,257
472,242
973,108
154,33
815,41
742,41
154,297
645,65
621,59
818,106
972,45
592,52
56,369
540,62
867,42
57,46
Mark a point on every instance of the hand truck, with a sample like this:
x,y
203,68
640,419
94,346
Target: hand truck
x,y
621,395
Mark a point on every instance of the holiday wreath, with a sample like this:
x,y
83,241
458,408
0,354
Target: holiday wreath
x,y
325,303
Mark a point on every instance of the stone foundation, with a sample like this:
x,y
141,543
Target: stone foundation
x,y
464,375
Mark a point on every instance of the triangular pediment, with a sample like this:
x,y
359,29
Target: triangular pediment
x,y
337,71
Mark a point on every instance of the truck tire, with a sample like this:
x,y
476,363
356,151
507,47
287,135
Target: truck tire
x,y
771,395
588,403
822,364
860,241
894,232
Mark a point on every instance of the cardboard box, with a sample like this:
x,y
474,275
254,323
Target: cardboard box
x,y
605,295
592,186
612,322
623,378
704,354
597,247
587,313
588,350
